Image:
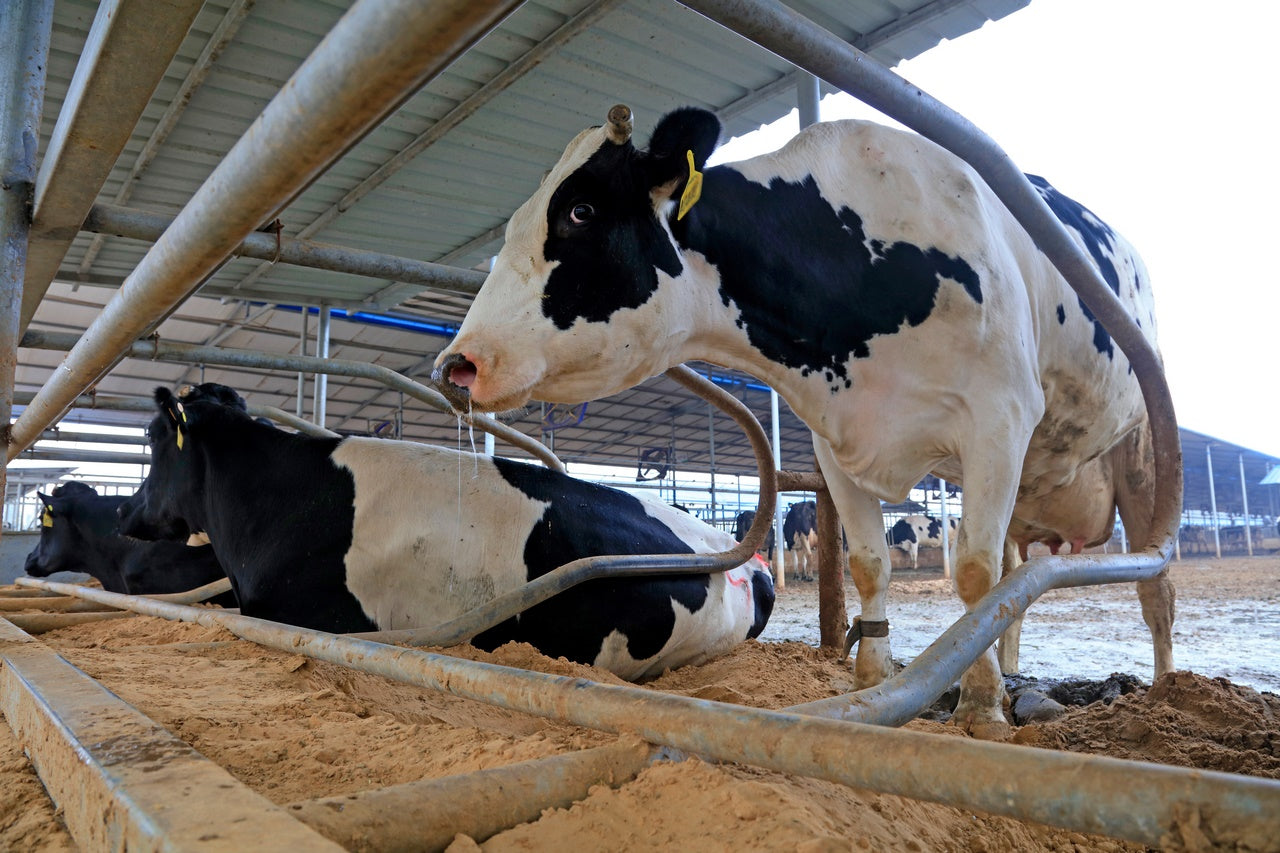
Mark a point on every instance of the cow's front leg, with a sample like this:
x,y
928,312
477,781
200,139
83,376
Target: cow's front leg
x,y
868,564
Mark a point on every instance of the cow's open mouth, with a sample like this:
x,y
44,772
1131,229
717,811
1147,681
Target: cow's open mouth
x,y
453,378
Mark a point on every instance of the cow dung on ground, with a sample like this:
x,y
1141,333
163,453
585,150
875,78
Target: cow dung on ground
x,y
293,729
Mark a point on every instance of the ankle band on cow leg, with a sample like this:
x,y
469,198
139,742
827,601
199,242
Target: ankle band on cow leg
x,y
863,628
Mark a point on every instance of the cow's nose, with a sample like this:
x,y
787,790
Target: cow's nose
x,y
453,377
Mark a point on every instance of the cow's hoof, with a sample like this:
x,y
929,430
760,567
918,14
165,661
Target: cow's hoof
x,y
981,724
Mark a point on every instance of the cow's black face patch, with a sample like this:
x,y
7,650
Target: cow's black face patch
x,y
602,230
812,289
1099,240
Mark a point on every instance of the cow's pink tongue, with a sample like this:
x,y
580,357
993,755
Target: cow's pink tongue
x,y
463,375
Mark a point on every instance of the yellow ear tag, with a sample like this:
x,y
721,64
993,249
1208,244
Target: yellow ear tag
x,y
46,518
692,188
183,413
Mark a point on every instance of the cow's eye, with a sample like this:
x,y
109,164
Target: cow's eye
x,y
582,214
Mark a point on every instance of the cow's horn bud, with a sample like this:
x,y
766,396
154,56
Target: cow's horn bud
x,y
619,127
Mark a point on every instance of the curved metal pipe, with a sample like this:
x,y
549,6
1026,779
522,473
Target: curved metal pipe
x,y
157,350
902,697
108,402
569,575
1087,793
807,45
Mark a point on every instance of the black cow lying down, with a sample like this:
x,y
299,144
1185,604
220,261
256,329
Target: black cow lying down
x,y
78,534
360,534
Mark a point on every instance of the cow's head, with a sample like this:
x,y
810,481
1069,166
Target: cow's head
x,y
169,504
62,539
580,302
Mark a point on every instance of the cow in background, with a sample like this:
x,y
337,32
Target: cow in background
x,y
78,534
362,534
800,530
913,532
743,523
869,275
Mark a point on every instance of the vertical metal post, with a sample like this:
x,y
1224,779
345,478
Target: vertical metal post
x,y
779,546
302,351
322,379
1213,501
946,529
807,98
24,53
711,443
1244,494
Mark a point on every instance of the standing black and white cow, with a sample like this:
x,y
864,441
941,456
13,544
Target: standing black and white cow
x,y
873,279
916,531
78,534
361,534
800,529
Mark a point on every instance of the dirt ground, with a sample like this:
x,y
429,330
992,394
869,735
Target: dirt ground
x,y
293,729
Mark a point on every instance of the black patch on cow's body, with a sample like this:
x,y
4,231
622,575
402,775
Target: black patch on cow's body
x,y
802,518
1062,314
902,532
610,262
1099,241
585,520
789,261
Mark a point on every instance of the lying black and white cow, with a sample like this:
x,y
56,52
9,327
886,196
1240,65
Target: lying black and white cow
x,y
800,529
877,283
913,532
78,534
361,534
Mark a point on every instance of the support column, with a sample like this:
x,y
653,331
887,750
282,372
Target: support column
x,y
1213,501
711,443
1244,496
24,55
833,620
946,529
302,351
322,379
779,545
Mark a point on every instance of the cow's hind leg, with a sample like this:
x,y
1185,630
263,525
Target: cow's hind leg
x,y
990,485
1007,647
1134,464
868,565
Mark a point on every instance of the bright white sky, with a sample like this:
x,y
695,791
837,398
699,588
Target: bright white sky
x,y
1160,116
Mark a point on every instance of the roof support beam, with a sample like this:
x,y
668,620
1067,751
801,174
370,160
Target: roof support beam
x,y
218,41
376,55
129,47
464,110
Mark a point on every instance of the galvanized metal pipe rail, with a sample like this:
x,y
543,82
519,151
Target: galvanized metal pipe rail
x,y
800,41
157,350
108,402
1141,802
538,590
143,225
373,58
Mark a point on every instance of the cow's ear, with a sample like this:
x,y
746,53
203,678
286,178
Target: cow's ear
x,y
171,407
46,512
679,148
44,499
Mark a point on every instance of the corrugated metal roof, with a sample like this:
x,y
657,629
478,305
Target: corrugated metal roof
x,y
435,181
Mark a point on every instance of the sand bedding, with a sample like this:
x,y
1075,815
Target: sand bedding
x,y
294,729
